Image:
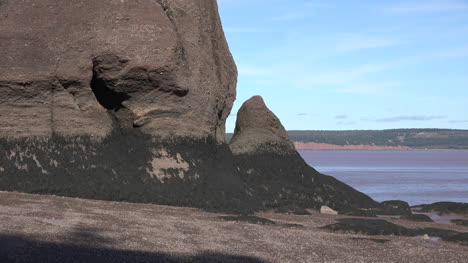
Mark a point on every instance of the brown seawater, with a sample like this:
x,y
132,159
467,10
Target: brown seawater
x,y
417,176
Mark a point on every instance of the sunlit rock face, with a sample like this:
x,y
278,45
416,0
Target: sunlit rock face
x,y
117,100
75,67
127,100
276,173
258,129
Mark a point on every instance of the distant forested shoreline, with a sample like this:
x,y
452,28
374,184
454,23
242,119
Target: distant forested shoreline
x,y
412,138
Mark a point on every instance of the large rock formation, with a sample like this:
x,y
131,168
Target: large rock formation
x,y
71,67
127,100
274,170
117,100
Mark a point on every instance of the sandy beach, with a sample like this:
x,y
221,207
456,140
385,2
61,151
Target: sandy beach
x,y
57,229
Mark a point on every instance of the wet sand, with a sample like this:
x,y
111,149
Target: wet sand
x,y
102,231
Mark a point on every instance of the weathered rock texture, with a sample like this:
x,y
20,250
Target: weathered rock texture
x,y
118,100
276,173
127,100
258,129
71,67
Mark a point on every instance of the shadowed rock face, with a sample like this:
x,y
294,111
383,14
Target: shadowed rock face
x,y
276,173
72,67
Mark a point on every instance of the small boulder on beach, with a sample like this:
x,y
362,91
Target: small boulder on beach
x,y
327,210
426,237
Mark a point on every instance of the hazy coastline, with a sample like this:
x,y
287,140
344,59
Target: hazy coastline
x,y
327,146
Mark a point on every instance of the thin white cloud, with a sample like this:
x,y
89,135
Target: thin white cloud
x,y
377,88
341,117
353,42
456,52
353,81
440,6
459,121
291,16
410,118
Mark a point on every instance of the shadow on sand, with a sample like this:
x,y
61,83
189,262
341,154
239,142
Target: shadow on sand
x,y
84,245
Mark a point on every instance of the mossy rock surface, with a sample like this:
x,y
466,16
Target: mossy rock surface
x,y
460,222
417,218
359,212
249,219
444,208
374,227
394,207
461,238
119,168
369,227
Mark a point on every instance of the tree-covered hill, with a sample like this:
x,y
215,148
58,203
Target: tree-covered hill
x,y
414,138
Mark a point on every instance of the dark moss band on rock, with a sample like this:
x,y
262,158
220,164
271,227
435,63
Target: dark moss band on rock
x,y
460,222
127,166
369,227
444,208
382,227
417,218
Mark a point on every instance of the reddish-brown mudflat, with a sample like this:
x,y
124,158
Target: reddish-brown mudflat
x,y
57,229
326,146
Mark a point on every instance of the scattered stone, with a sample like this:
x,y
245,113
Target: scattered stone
x,y
327,210
425,237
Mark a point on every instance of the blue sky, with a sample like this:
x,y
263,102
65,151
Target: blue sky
x,y
339,65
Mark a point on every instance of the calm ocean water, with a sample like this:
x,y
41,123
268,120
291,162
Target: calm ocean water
x,y
418,177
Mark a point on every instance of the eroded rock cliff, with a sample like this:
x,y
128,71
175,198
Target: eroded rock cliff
x,y
117,100
127,100
71,67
